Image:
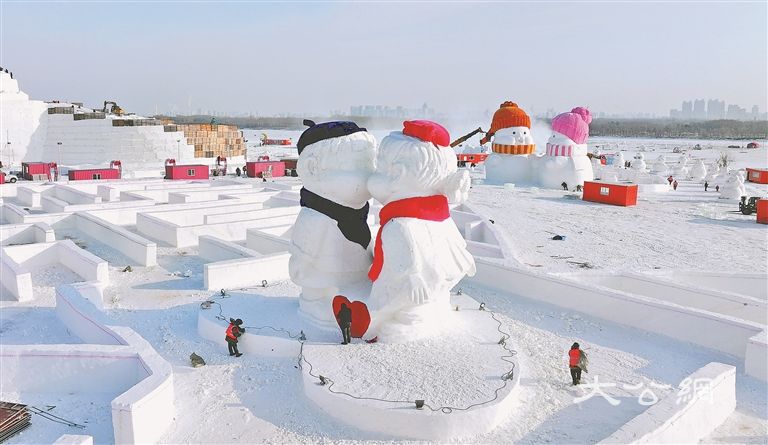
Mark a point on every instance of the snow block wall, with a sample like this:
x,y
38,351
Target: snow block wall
x,y
23,126
138,249
144,409
98,141
71,439
239,273
687,415
703,328
17,261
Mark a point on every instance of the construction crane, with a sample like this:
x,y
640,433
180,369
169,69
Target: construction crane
x,y
114,109
466,136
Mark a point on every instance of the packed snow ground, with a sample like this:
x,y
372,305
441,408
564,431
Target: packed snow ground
x,y
260,400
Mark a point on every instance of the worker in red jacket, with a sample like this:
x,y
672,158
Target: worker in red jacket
x,y
574,362
234,331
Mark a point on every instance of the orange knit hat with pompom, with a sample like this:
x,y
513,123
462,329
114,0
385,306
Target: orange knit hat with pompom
x,y
508,115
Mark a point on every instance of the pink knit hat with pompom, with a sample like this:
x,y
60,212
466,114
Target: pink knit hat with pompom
x,y
574,124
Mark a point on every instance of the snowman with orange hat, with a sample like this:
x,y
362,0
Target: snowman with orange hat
x,y
419,254
512,145
566,158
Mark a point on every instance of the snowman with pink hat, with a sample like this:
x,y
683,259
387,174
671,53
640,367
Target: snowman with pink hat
x,y
566,158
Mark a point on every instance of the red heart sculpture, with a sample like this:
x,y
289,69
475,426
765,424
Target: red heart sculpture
x,y
361,319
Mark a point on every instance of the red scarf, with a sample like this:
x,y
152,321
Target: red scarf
x,y
429,208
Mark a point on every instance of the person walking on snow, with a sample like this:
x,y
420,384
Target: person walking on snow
x,y
234,331
670,179
706,185
674,185
717,188
344,317
577,360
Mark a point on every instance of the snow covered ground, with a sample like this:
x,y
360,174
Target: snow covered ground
x,y
260,400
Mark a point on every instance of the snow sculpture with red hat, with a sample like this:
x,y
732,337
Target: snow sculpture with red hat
x,y
512,146
330,239
419,254
566,158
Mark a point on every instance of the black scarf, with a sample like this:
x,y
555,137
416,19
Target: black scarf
x,y
353,223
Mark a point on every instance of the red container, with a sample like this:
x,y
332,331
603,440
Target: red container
x,y
610,193
186,172
757,175
471,158
31,171
762,211
255,169
2,178
93,174
290,163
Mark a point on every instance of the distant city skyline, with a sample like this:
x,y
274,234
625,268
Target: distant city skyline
x,y
314,57
715,109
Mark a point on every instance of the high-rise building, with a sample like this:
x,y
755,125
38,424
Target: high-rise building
x,y
699,109
715,109
736,112
687,111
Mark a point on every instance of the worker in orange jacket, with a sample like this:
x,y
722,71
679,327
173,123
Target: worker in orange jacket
x,y
576,359
234,331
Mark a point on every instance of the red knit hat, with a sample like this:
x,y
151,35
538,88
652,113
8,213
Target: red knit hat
x,y
427,131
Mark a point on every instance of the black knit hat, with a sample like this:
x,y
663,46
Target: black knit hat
x,y
325,130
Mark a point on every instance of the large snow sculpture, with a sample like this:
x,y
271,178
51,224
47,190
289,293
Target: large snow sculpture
x,y
638,163
659,166
512,146
330,239
698,172
419,253
733,187
566,158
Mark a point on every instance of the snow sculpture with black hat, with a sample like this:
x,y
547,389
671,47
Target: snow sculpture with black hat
x,y
330,239
419,254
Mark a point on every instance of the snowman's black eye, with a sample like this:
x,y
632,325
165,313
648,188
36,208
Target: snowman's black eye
x,y
514,132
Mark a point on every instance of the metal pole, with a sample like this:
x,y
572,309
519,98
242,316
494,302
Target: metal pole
x,y
59,144
178,150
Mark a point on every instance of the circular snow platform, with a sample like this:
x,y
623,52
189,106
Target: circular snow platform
x,y
466,379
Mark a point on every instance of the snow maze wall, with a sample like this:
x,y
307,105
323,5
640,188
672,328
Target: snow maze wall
x,y
114,360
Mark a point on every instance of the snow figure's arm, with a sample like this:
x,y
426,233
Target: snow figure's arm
x,y
456,187
403,264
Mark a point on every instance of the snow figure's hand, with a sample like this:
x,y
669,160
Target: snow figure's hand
x,y
419,291
456,187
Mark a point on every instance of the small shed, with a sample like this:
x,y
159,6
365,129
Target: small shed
x,y
35,171
290,163
610,193
93,174
176,172
256,169
762,211
757,175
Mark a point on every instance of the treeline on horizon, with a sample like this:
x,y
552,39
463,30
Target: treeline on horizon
x,y
640,128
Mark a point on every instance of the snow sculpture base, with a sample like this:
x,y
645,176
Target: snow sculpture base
x,y
517,169
456,370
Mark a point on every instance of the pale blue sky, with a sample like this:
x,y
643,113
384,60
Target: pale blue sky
x,y
314,57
